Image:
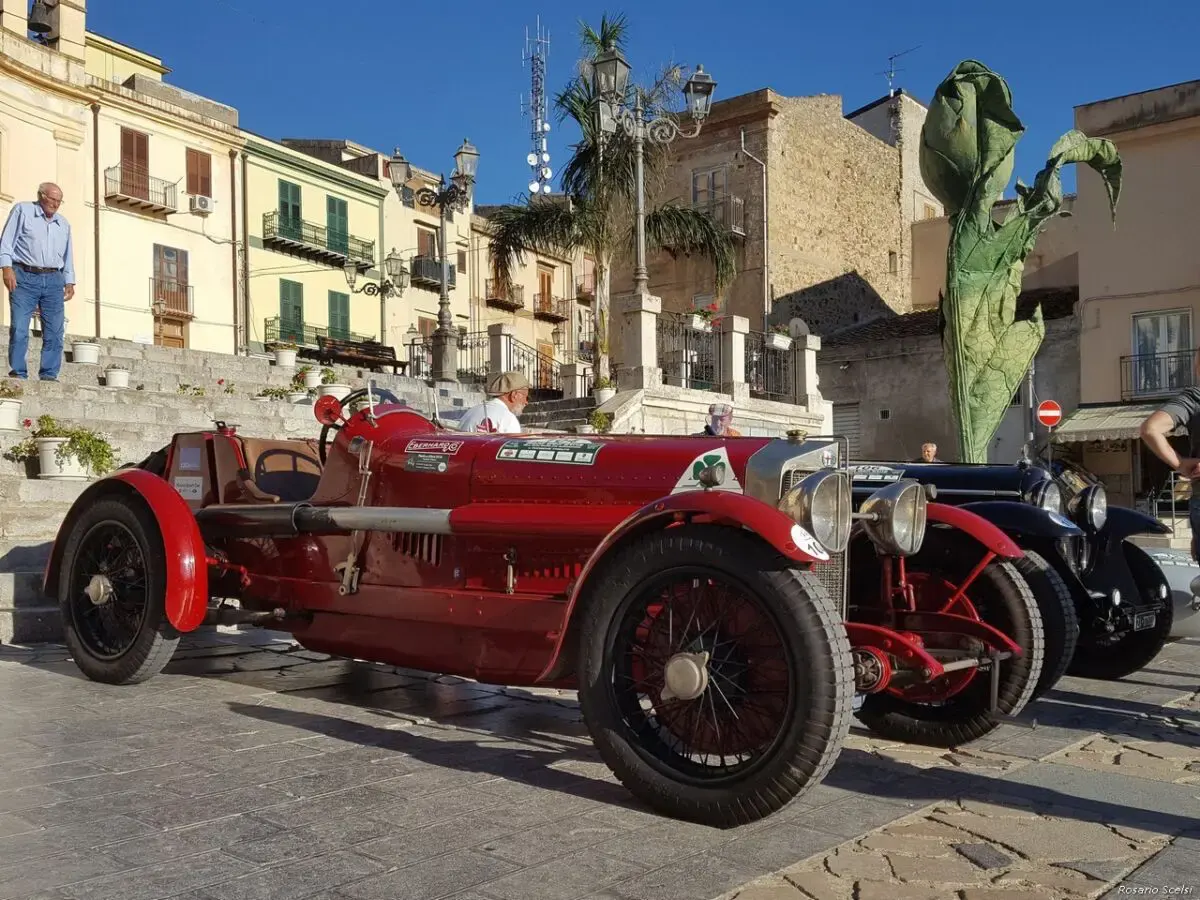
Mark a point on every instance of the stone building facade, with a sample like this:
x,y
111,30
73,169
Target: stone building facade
x,y
840,195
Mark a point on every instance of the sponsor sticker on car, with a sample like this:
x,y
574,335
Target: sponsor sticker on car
x,y
875,473
560,451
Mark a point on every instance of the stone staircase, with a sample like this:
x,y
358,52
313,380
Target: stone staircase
x,y
558,415
139,420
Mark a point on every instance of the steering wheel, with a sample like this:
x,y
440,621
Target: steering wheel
x,y
382,395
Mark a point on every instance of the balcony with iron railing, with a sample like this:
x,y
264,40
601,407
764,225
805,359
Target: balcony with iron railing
x,y
510,298
544,372
728,210
549,308
314,242
427,274
172,298
135,188
689,357
585,287
279,330
1149,376
769,367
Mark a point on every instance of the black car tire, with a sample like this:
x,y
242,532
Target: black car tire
x,y
1102,659
1011,607
155,639
1060,621
819,673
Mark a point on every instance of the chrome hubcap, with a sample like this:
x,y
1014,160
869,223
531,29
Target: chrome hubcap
x,y
686,676
99,590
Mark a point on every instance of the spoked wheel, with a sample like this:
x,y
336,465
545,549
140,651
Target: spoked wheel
x,y
113,593
1108,656
715,680
381,395
1059,617
956,708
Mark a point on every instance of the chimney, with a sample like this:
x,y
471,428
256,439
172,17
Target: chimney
x,y
68,22
14,16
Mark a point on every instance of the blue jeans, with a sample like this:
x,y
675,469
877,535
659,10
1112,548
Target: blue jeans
x,y
44,292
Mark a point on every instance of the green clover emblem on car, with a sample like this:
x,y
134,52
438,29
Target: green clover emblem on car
x,y
700,465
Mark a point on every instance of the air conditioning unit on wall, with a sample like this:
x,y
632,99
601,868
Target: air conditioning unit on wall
x,y
201,205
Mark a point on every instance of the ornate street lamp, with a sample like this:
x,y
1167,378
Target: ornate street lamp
x,y
397,280
453,196
610,83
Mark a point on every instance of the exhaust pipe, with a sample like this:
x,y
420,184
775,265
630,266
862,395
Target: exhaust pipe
x,y
236,520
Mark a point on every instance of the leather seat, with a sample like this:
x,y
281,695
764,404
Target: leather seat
x,y
280,471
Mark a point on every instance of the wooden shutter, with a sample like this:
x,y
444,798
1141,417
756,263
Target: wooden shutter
x,y
291,311
339,315
337,225
426,243
199,173
135,164
847,424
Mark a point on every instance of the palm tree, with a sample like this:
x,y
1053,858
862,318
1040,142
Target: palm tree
x,y
597,213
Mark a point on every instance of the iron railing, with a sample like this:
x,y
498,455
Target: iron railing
x,y
585,286
547,306
688,357
1149,375
474,357
419,353
427,272
135,183
511,297
725,209
544,372
169,297
770,369
278,328
280,228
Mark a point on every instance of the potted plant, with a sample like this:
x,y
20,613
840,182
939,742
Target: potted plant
x,y
331,387
297,395
116,376
308,376
85,352
599,421
225,386
779,338
10,405
65,452
604,390
271,393
285,354
702,318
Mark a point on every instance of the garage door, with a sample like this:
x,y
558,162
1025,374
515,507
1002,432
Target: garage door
x,y
846,424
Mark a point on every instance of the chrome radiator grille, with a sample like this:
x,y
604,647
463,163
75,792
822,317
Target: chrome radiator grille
x,y
831,574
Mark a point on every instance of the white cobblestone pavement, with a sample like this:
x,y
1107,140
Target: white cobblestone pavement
x,y
252,769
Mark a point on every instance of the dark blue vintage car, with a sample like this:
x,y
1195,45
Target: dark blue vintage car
x,y
1106,606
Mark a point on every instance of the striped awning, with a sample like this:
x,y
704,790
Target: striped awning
x,y
1119,422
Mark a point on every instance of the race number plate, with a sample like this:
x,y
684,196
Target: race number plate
x,y
1142,621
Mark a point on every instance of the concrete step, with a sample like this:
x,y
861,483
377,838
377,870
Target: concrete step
x,y
550,406
36,625
24,555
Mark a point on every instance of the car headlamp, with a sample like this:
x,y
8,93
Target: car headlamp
x,y
1092,507
1048,496
894,517
820,504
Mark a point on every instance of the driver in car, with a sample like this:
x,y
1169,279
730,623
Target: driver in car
x,y
509,392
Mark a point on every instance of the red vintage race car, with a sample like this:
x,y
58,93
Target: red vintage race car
x,y
692,589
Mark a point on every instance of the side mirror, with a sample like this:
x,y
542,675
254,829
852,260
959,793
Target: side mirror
x,y
328,410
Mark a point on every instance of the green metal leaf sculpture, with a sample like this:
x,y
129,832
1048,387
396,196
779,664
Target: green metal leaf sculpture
x,y
967,157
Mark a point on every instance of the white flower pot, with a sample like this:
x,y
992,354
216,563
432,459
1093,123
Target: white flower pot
x,y
334,390
603,395
697,323
85,352
10,414
297,396
777,341
312,378
285,358
585,429
117,378
49,466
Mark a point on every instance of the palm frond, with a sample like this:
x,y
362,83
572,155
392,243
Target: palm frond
x,y
611,35
683,230
543,226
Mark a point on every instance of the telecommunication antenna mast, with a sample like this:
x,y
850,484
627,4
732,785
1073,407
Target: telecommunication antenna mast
x,y
891,71
535,52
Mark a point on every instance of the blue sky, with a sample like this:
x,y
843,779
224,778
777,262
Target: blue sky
x,y
423,76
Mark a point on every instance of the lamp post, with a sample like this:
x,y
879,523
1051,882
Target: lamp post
x,y
397,280
610,83
457,196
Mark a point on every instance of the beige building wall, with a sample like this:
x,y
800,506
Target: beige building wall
x,y
1054,261
304,274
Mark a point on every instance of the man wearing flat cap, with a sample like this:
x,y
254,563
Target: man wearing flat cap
x,y
509,393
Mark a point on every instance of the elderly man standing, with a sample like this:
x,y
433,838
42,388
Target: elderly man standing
x,y
509,392
38,268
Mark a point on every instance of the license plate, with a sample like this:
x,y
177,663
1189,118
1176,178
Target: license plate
x,y
1142,621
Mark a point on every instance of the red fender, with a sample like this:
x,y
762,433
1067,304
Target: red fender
x,y
183,547
977,527
770,524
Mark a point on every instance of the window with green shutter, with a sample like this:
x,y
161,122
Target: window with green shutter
x,y
337,223
339,316
291,311
290,214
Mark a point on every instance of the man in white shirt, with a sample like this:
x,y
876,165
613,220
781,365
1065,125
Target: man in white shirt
x,y
509,392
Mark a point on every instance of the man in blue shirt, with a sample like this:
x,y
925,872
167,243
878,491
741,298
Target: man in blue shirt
x,y
38,268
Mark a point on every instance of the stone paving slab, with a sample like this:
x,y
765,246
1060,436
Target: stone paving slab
x,y
255,769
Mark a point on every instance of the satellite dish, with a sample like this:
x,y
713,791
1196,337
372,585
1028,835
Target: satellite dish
x,y
545,158
545,126
531,159
798,328
533,187
546,172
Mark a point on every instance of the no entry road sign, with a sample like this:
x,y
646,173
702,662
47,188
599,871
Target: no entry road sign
x,y
1049,413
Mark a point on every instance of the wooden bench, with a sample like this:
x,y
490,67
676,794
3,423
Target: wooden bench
x,y
368,354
